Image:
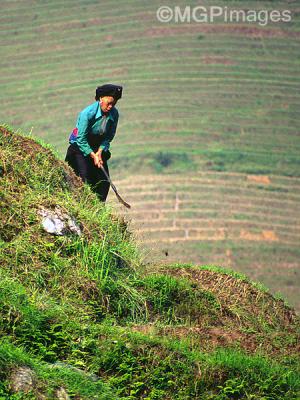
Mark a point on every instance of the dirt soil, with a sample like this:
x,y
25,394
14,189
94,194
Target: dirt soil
x,y
31,147
250,319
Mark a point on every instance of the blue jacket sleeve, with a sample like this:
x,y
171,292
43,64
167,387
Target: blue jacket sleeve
x,y
83,125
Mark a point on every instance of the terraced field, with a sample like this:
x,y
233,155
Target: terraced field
x,y
209,120
249,223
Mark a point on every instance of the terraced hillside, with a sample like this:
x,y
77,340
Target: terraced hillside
x,y
215,96
210,106
246,222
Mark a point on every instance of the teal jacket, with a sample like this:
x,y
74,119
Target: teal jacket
x,y
93,129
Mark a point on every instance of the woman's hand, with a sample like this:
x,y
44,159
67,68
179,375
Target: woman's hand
x,y
99,154
97,158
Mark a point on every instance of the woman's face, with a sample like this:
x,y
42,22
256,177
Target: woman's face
x,y
107,103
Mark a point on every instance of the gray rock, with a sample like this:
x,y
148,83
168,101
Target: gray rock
x,y
62,394
22,379
58,222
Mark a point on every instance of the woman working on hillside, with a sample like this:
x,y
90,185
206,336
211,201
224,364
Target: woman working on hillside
x,y
90,140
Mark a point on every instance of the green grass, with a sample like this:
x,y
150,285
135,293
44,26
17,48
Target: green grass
x,y
86,314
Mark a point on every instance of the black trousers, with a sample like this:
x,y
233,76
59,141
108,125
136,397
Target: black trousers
x,y
85,168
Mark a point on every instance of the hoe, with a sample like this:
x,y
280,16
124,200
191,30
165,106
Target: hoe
x,y
114,189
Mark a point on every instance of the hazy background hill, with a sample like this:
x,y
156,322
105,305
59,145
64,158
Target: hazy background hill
x,y
209,120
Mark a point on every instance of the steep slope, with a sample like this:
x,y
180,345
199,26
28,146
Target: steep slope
x,y
82,315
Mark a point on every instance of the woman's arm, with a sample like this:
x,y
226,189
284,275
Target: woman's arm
x,y
82,136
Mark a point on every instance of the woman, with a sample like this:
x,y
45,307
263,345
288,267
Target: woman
x,y
90,140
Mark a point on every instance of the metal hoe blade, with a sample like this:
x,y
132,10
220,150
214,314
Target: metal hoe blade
x,y
114,188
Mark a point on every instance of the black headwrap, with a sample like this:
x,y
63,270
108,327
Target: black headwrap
x,y
109,90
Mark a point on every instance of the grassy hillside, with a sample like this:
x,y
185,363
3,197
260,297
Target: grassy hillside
x,y
211,104
89,318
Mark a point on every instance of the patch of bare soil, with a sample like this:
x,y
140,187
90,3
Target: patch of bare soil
x,y
236,292
245,314
208,338
29,147
264,179
71,178
265,235
217,337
